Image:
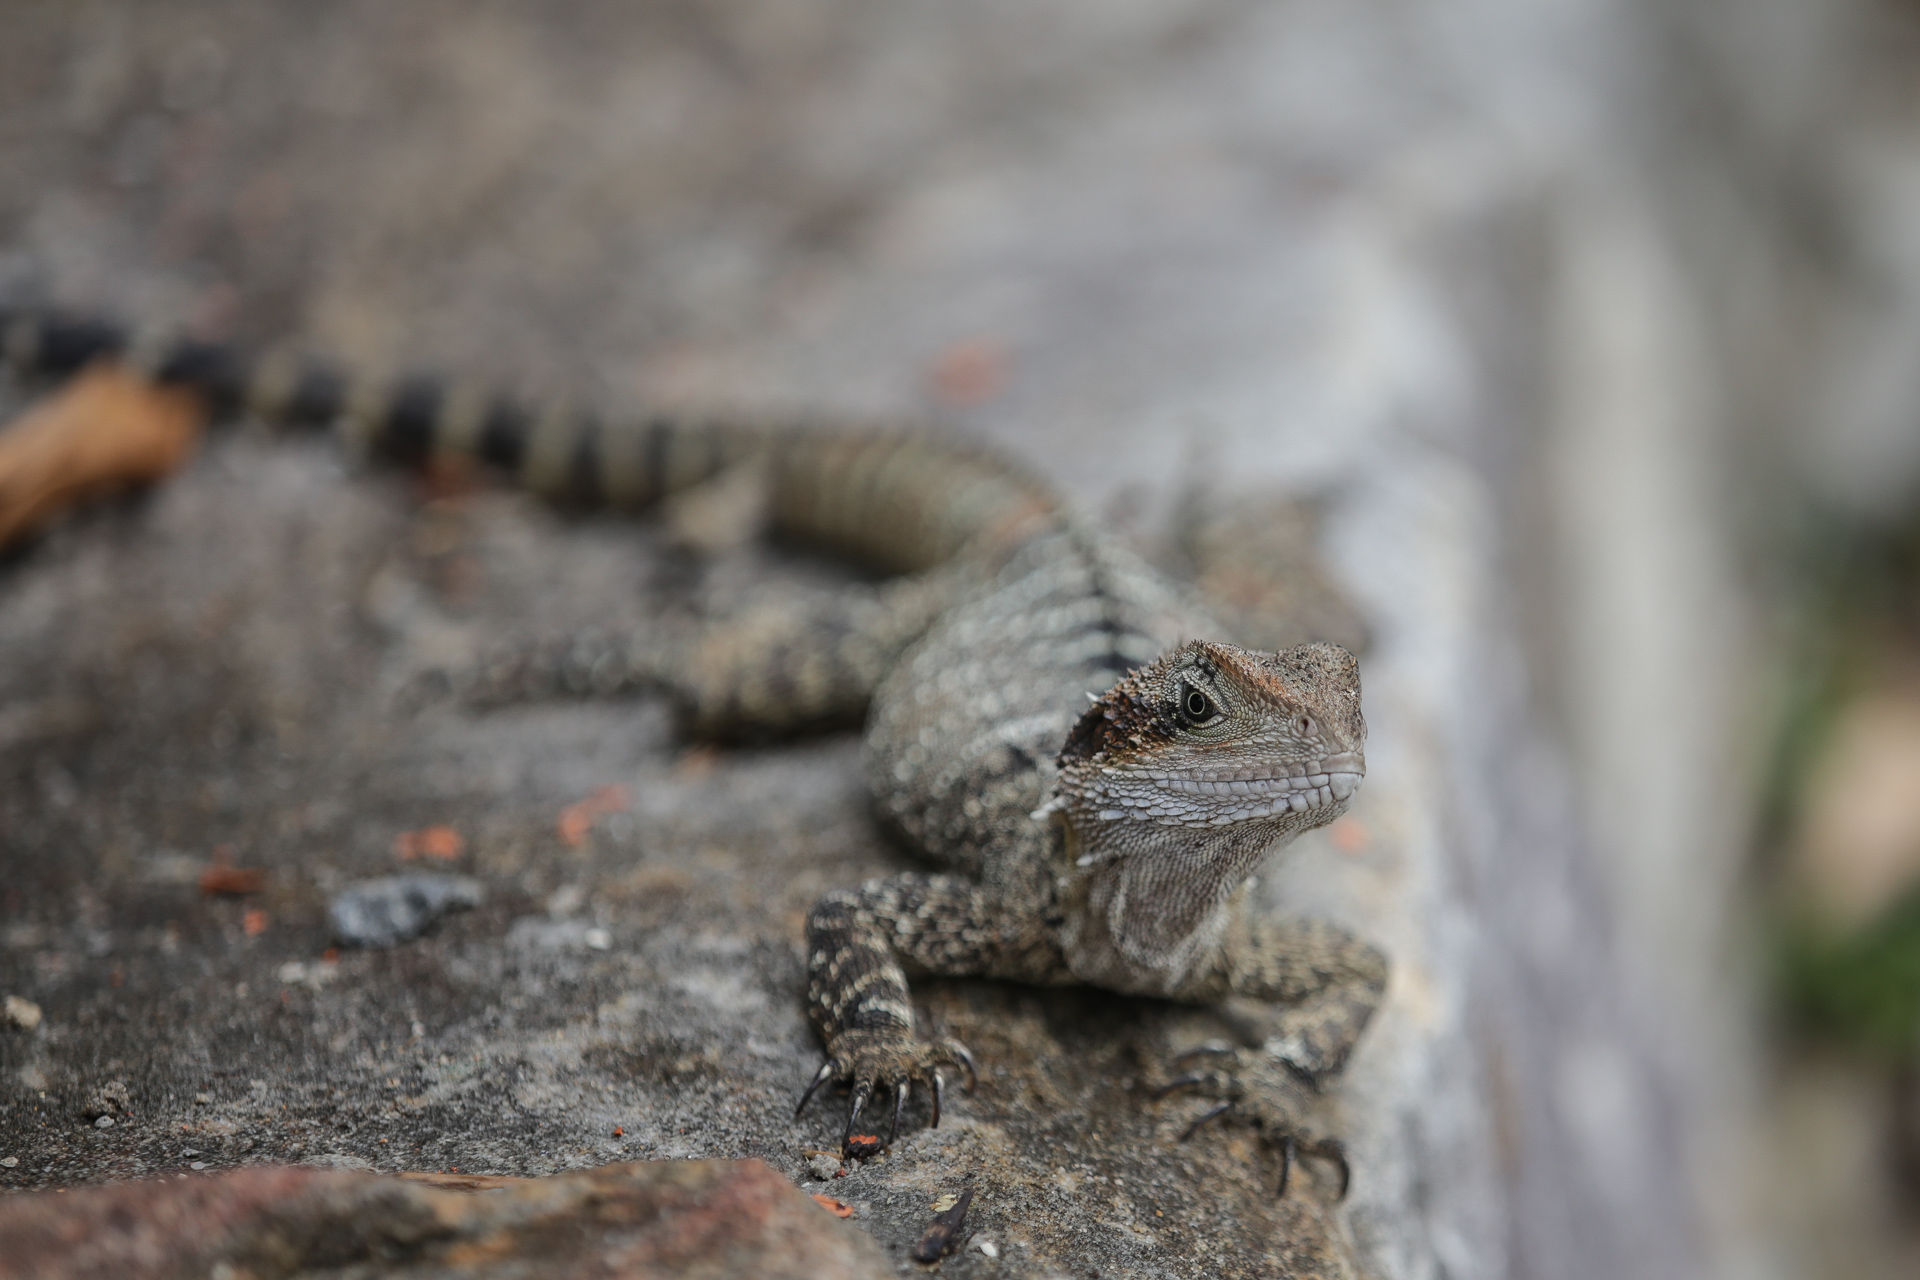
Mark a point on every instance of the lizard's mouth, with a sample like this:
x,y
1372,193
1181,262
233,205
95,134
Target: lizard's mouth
x,y
1224,796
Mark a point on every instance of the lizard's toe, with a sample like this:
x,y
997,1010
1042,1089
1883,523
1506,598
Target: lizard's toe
x,y
820,1077
1331,1150
868,1061
1220,1077
1213,1112
956,1053
1249,1086
1206,1049
860,1145
901,1088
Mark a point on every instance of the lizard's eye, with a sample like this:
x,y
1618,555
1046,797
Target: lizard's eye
x,y
1196,706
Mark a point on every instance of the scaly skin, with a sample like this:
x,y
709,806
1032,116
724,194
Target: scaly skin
x,y
1108,845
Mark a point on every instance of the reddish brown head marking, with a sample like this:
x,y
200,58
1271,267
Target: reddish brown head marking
x,y
1202,684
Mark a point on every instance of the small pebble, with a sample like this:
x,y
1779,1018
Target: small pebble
x,y
822,1167
987,1247
110,1097
104,1122
390,909
198,1164
21,1013
598,939
8,1162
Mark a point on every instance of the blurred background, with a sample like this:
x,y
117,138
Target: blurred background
x,y
1590,327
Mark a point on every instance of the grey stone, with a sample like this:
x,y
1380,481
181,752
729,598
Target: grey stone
x,y
106,1100
390,909
20,1015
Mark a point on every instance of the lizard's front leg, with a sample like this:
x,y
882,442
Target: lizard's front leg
x,y
1327,981
859,946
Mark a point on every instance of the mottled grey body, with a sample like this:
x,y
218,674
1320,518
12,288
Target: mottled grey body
x,y
1107,843
967,740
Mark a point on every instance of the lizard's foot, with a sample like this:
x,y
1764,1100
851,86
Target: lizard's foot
x,y
1257,1088
869,1059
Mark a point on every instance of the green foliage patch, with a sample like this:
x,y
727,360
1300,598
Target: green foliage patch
x,y
1861,988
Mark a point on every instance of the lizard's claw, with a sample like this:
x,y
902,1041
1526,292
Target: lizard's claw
x,y
1329,1149
870,1060
1265,1092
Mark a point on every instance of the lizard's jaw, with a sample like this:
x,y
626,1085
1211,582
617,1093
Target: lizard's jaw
x,y
1171,795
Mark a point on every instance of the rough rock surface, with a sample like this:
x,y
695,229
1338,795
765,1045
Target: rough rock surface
x,y
503,1042
639,1220
1210,250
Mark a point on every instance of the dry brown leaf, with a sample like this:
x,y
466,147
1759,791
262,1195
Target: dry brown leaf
x,y
105,431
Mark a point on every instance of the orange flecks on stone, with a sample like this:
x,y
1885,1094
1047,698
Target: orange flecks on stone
x,y
838,1208
106,431
968,373
220,879
1349,836
254,923
443,843
578,819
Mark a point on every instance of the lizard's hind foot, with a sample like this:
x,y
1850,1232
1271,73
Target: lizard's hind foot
x,y
868,1060
1259,1089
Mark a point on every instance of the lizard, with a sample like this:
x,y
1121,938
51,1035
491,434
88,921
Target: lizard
x,y
1094,783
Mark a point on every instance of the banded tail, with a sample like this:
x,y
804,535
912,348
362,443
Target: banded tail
x,y
898,499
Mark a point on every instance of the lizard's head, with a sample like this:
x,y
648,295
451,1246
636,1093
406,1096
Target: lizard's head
x,y
1209,735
